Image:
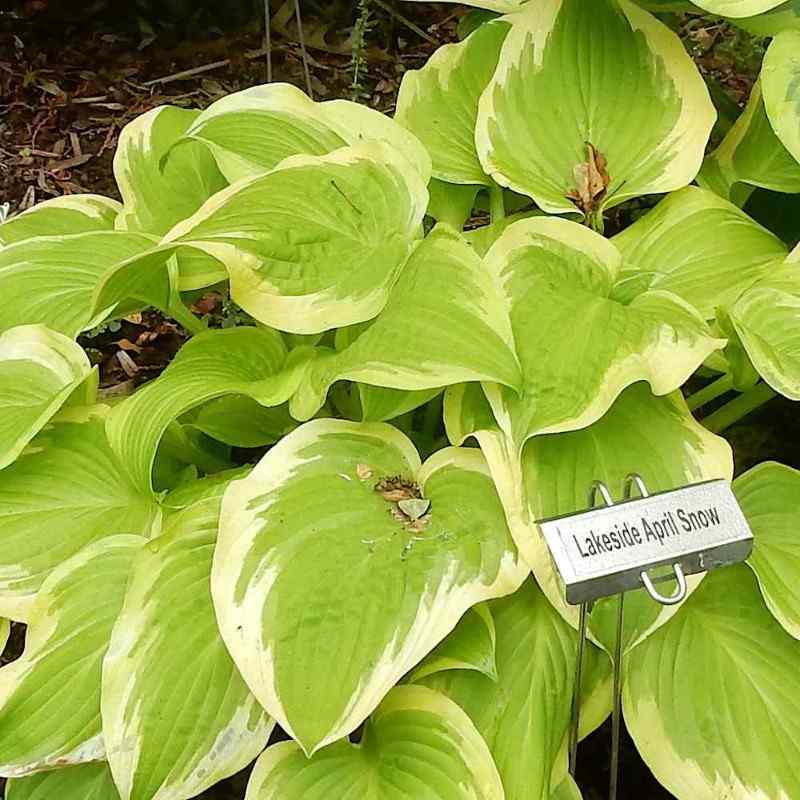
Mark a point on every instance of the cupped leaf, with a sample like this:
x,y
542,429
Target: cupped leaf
x,y
236,361
769,496
39,370
578,346
417,744
318,242
554,125
780,80
737,8
159,191
670,248
712,700
240,421
68,490
471,646
752,154
654,437
171,732
444,323
252,131
81,782
439,103
524,714
765,320
61,216
419,546
50,696
51,279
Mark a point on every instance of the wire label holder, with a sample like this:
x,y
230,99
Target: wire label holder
x,y
642,541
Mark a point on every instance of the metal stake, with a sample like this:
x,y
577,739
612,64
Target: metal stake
x,y
598,487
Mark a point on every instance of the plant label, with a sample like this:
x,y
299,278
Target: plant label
x,y
604,551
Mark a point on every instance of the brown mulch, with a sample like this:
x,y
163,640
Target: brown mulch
x,y
69,84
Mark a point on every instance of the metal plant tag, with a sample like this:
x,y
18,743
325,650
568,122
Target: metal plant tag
x,y
609,550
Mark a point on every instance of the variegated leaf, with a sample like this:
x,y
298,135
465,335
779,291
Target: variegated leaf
x,y
61,216
66,491
50,696
172,730
409,576
417,744
770,498
39,370
444,323
252,131
317,242
547,104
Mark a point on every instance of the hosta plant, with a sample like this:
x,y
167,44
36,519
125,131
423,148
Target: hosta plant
x,y
312,542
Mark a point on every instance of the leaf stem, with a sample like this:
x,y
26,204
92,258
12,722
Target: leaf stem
x,y
740,407
497,203
710,392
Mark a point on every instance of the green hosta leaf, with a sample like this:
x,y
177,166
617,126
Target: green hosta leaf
x,y
61,216
481,239
318,242
216,363
712,700
769,495
51,279
240,421
50,696
82,782
579,347
781,18
737,8
444,323
39,369
68,490
751,153
655,437
670,248
407,585
439,103
567,790
451,203
378,405
201,489
5,632
546,102
524,715
471,646
417,744
173,731
159,191
780,78
766,322
252,131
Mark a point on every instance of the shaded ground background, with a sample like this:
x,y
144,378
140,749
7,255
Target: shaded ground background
x,y
74,72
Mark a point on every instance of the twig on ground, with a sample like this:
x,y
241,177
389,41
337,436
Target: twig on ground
x,y
407,22
188,73
268,40
303,50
